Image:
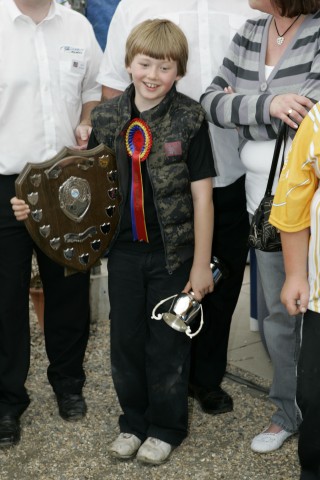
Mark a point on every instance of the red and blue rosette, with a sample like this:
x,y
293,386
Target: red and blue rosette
x,y
138,143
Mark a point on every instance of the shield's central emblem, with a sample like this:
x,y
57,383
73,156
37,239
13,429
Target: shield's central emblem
x,y
75,198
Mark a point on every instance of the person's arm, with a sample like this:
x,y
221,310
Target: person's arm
x,y
291,211
295,290
289,107
201,280
84,128
90,87
231,109
257,113
113,75
108,92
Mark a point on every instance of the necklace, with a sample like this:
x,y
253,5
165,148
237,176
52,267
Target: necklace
x,y
280,38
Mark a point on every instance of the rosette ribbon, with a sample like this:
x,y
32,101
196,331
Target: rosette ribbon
x,y
138,143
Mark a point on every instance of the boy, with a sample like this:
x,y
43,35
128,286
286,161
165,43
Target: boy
x,y
163,244
218,21
296,213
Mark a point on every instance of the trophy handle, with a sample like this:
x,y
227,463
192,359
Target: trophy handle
x,y
188,331
159,316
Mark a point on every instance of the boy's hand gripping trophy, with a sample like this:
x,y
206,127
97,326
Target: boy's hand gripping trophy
x,y
185,308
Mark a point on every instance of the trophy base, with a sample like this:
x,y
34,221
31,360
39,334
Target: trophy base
x,y
174,322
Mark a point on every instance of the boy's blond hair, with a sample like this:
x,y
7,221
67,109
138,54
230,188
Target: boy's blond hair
x,y
160,39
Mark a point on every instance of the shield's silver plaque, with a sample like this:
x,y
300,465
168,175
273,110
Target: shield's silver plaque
x,y
75,198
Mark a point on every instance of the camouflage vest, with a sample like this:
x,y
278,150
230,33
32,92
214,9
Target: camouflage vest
x,y
173,123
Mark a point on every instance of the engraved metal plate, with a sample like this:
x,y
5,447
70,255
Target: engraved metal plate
x,y
75,198
72,218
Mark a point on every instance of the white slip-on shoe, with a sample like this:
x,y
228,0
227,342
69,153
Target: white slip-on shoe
x,y
154,451
267,442
125,446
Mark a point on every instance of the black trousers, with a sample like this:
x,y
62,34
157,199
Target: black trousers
x,y
66,319
308,397
150,360
231,228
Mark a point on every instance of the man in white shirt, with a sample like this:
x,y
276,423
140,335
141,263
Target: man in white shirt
x,y
49,61
209,26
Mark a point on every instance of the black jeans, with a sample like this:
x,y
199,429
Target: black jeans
x,y
308,397
150,360
230,244
66,318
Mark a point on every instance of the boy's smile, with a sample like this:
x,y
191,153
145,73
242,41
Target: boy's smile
x,y
152,79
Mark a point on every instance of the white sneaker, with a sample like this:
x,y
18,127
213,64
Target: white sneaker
x,y
125,446
268,442
154,451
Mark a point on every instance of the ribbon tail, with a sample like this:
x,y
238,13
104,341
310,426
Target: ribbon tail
x,y
137,203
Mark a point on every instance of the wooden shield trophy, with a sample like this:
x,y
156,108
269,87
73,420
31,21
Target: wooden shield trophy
x,y
74,203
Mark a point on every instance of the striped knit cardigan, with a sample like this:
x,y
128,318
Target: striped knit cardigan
x,y
298,71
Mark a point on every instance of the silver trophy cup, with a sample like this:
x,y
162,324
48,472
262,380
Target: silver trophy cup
x,y
185,308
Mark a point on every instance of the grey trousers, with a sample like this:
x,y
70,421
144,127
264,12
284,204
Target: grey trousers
x,y
282,334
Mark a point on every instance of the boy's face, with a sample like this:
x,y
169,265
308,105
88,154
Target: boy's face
x,y
152,79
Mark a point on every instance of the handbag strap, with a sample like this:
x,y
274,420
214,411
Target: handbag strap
x,y
282,137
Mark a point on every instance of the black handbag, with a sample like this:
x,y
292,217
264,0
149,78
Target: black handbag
x,y
262,235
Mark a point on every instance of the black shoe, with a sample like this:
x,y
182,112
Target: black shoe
x,y
212,401
72,406
9,430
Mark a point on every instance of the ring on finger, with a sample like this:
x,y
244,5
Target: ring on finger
x,y
290,111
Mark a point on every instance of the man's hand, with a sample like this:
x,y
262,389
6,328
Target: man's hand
x,y
83,130
82,135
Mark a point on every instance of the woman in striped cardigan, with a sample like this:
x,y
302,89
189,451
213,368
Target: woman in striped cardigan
x,y
270,74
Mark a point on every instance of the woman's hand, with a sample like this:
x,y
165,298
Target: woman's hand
x,y
20,208
290,108
228,90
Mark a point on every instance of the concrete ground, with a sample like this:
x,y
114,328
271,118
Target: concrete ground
x,y
246,350
218,447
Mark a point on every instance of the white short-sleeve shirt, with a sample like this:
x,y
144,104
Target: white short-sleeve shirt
x,y
47,72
